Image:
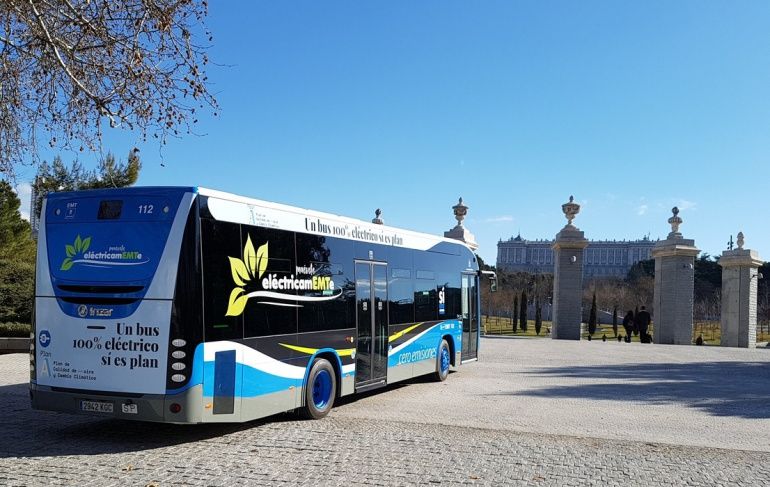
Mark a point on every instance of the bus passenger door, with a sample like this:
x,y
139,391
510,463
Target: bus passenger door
x,y
372,325
470,345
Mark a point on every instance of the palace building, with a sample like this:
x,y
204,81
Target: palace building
x,y
602,258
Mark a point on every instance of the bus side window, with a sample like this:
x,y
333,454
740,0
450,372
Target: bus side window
x,y
425,296
327,257
219,241
261,316
401,296
449,282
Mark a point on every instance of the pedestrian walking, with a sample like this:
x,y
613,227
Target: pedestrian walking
x,y
642,320
628,322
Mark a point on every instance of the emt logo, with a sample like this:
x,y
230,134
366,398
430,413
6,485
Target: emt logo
x,y
253,267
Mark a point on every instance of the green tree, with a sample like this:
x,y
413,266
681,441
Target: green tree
x,y
592,317
17,260
15,233
707,287
17,282
538,316
523,312
109,174
483,265
615,320
515,317
643,268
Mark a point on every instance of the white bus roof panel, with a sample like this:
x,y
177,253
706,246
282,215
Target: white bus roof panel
x,y
238,209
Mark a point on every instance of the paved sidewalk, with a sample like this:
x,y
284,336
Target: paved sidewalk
x,y
530,412
682,395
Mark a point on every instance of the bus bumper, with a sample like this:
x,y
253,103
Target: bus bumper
x,y
144,407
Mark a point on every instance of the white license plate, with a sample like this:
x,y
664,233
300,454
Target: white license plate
x,y
129,409
96,406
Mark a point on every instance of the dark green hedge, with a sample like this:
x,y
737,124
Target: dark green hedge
x,y
19,330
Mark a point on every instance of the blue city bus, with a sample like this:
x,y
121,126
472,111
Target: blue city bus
x,y
188,305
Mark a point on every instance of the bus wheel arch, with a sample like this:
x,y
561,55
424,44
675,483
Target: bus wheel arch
x,y
321,387
443,360
451,343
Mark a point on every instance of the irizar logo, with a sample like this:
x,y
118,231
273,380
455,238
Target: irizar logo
x,y
84,311
253,268
113,256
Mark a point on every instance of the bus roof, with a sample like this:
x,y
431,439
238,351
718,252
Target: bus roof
x,y
240,209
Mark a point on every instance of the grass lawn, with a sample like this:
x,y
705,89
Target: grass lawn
x,y
497,325
709,330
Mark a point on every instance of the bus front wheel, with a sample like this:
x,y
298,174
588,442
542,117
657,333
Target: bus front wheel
x,y
442,361
320,390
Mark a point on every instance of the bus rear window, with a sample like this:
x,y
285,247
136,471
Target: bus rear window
x,y
110,209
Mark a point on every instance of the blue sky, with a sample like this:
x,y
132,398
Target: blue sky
x,y
634,108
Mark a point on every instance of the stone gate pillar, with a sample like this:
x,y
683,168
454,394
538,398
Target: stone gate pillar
x,y
739,296
568,277
674,286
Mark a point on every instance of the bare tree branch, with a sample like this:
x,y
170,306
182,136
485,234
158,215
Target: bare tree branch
x,y
68,65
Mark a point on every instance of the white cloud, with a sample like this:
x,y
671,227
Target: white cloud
x,y
24,191
642,210
499,219
687,205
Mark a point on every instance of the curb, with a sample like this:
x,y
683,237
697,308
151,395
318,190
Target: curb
x,y
14,345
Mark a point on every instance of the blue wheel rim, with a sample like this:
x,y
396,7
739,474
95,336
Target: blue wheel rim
x,y
322,389
444,360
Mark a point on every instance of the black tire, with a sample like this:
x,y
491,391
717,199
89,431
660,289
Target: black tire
x,y
320,390
443,359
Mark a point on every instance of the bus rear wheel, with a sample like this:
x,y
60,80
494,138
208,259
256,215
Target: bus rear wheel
x,y
442,361
320,390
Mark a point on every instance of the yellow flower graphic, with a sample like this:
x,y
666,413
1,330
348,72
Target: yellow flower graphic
x,y
253,265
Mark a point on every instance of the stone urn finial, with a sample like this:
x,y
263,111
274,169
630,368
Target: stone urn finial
x,y
459,232
570,210
460,211
675,221
377,219
740,240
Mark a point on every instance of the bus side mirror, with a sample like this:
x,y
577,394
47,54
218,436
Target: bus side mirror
x,y
492,279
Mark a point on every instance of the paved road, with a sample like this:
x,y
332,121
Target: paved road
x,y
535,412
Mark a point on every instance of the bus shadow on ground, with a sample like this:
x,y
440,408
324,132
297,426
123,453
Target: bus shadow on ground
x,y
31,433
736,389
423,379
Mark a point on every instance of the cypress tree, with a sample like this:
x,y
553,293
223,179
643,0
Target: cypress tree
x,y
523,312
592,317
615,320
538,316
515,317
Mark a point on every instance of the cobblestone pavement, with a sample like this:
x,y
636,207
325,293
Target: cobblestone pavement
x,y
535,412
